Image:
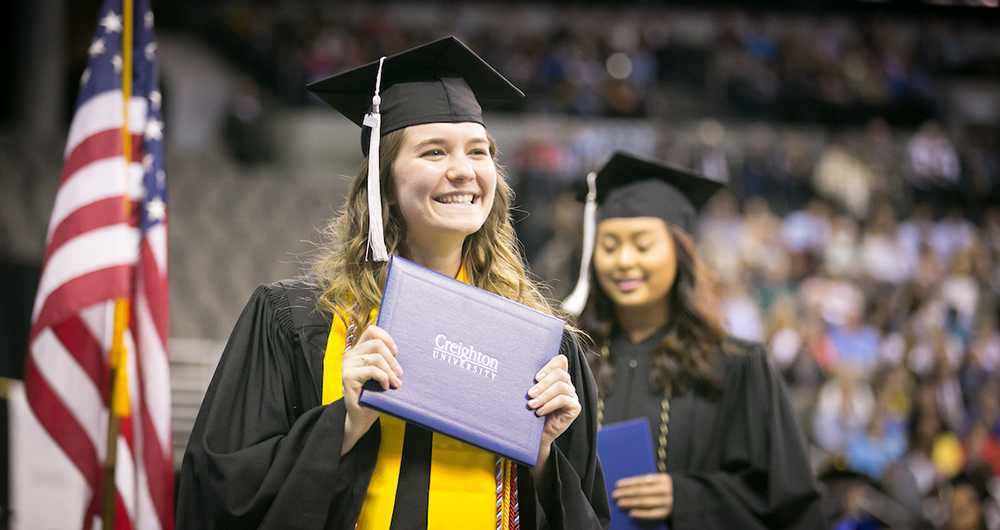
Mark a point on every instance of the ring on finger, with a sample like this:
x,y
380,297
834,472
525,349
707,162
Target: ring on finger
x,y
364,358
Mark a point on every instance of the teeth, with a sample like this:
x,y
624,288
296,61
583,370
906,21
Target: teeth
x,y
457,199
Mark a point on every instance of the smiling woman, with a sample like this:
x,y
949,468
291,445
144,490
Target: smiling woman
x,y
728,449
281,440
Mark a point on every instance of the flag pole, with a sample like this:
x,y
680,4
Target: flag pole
x,y
117,358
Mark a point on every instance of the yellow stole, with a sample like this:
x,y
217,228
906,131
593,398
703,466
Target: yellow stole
x,y
462,490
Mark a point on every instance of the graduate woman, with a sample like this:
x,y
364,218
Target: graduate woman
x,y
281,441
728,449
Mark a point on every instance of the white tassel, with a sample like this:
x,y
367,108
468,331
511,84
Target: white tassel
x,y
575,302
376,239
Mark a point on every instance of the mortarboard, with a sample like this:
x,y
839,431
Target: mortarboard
x,y
628,186
438,82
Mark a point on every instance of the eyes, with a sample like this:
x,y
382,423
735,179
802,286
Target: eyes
x,y
640,242
439,152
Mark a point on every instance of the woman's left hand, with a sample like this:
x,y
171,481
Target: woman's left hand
x,y
645,496
554,397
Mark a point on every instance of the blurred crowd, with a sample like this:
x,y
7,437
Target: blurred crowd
x,y
623,61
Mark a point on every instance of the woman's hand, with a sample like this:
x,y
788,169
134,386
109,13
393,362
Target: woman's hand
x,y
372,357
645,496
554,397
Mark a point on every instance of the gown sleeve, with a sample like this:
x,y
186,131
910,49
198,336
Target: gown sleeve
x,y
263,452
580,497
765,479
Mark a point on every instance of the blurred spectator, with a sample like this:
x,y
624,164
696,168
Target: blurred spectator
x,y
915,231
933,168
740,311
879,154
722,234
840,256
845,409
762,172
928,462
965,501
788,343
763,250
952,234
884,441
796,170
843,179
710,158
854,343
883,253
558,261
960,290
248,132
805,233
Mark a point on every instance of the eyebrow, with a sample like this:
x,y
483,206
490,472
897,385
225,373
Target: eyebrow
x,y
440,141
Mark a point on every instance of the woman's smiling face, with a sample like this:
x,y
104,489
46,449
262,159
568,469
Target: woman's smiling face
x,y
635,260
445,180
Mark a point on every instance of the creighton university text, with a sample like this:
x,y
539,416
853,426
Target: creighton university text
x,y
465,356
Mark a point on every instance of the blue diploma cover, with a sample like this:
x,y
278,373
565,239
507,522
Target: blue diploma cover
x,y
626,450
468,357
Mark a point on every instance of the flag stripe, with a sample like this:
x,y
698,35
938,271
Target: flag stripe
x,y
156,238
116,244
98,214
125,470
154,289
102,179
104,112
153,362
105,144
81,344
69,383
60,423
158,462
83,291
122,520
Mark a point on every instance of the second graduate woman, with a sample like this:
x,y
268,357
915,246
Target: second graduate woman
x,y
728,449
281,440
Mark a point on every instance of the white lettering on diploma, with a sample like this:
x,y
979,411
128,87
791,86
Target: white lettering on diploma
x,y
465,356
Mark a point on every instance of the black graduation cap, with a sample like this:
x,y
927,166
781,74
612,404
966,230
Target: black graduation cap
x,y
629,186
439,82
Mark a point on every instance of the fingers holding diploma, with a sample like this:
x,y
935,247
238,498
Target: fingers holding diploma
x,y
554,397
373,357
645,496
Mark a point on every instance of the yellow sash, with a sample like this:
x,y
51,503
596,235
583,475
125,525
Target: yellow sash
x,y
462,491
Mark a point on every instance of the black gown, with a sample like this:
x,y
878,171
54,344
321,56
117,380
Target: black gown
x,y
736,462
265,454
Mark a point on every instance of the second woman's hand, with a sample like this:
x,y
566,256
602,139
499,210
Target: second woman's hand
x,y
372,357
645,496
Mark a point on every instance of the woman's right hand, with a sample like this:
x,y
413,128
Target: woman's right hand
x,y
372,357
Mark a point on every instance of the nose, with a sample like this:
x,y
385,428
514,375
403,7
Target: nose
x,y
626,257
460,169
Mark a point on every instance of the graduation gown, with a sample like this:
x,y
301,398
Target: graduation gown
x,y
736,462
265,454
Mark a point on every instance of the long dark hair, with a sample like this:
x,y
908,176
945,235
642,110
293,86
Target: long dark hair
x,y
683,359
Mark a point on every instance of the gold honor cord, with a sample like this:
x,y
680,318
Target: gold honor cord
x,y
117,358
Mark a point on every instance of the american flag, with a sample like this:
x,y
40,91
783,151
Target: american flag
x,y
106,242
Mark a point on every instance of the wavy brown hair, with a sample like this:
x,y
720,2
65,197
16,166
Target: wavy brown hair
x,y
683,359
352,283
